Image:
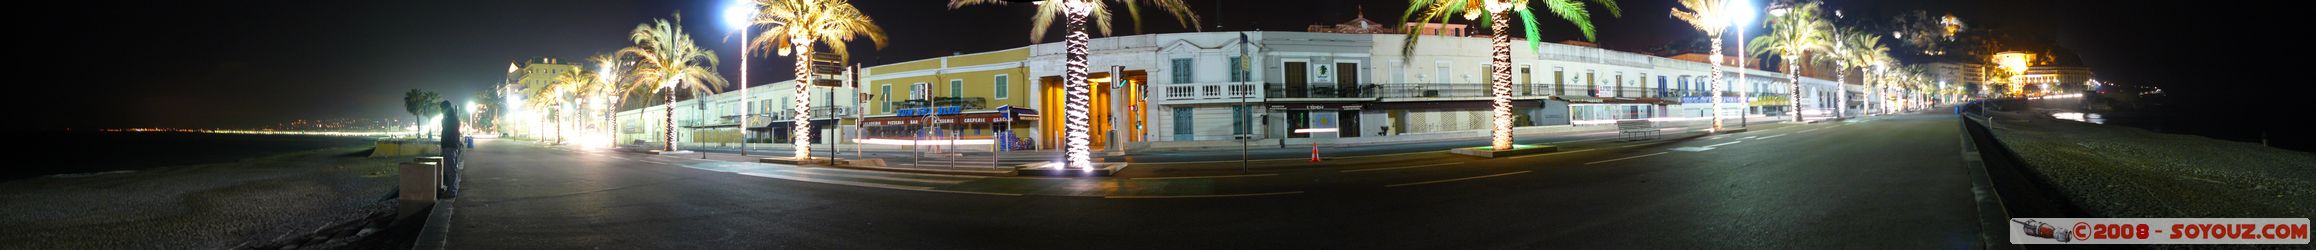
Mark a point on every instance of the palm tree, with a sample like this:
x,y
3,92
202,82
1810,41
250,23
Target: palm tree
x,y
1853,49
607,90
420,103
1711,17
1497,13
557,96
666,58
1075,12
1794,32
799,25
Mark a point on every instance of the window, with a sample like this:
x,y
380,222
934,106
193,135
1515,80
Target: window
x,y
1181,70
1443,74
886,93
1004,87
956,87
1241,120
1238,70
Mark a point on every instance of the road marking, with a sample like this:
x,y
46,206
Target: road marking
x,y
1292,159
1553,153
1406,167
1197,196
1807,131
1626,158
1692,149
1723,144
1773,136
1196,177
876,177
1456,179
967,192
838,182
1748,137
886,172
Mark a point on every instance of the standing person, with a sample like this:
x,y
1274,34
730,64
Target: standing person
x,y
452,151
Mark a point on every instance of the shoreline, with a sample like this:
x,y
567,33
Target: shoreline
x,y
258,200
83,154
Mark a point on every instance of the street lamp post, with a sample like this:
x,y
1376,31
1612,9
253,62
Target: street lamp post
x,y
1743,16
739,15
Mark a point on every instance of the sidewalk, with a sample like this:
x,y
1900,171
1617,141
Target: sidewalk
x,y
1192,162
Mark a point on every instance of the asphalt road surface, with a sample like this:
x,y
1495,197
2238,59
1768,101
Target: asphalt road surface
x,y
1883,182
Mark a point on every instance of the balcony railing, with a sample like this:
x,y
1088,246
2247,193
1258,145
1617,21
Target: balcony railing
x,y
823,112
1225,91
968,103
1203,91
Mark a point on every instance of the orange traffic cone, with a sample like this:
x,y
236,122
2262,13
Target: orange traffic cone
x,y
1314,153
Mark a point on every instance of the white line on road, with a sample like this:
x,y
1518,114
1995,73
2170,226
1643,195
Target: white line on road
x,y
1197,196
1396,168
1723,144
1626,158
1553,153
1748,137
869,185
1807,131
1456,179
1773,136
876,177
1196,177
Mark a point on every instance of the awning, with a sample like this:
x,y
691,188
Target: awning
x,y
1577,98
967,118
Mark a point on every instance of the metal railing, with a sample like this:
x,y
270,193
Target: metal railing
x,y
1203,91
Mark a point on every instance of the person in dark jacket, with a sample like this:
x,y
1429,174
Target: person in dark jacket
x,y
452,151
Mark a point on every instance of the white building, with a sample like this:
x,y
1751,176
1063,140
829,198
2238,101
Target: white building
x,y
1187,90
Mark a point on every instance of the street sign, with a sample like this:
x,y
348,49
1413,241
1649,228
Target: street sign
x,y
826,69
827,82
826,57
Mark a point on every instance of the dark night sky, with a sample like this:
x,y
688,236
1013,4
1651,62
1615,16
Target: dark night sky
x,y
251,63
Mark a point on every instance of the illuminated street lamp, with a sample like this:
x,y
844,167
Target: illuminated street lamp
x,y
739,15
1739,20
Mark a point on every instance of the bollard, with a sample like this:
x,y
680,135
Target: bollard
x,y
418,181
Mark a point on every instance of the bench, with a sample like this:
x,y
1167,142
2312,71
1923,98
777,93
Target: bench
x,y
1636,129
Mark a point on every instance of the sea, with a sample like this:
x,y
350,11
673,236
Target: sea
x,y
64,154
2276,129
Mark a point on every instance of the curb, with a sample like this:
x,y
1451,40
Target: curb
x,y
436,233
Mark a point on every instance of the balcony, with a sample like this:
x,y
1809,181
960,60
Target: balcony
x,y
1209,91
967,103
818,113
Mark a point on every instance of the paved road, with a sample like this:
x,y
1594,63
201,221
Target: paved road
x,y
1890,181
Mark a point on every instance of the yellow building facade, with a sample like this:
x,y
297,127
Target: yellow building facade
x,y
951,97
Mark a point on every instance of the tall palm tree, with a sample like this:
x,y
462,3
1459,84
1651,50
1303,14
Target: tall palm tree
x,y
606,92
666,59
1711,17
1075,12
1794,32
1853,49
798,25
1497,13
420,103
1878,57
569,89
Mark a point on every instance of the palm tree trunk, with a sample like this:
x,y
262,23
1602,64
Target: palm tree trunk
x,y
1077,94
1716,83
1793,76
558,117
1502,79
800,134
667,131
1841,80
